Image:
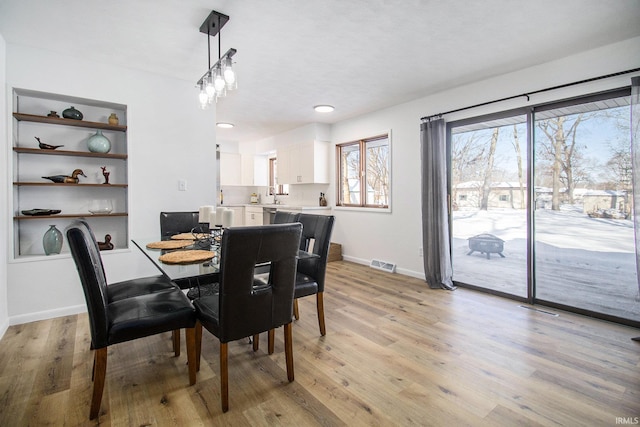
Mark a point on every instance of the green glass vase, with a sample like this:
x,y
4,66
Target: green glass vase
x,y
52,241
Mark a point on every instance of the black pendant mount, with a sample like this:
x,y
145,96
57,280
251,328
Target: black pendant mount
x,y
214,23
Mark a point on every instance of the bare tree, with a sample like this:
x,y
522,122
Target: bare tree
x,y
467,158
560,147
486,184
516,146
378,173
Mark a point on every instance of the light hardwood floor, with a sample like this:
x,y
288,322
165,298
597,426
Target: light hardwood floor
x,y
395,353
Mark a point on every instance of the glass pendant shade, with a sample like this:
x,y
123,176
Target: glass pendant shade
x,y
229,74
218,82
203,98
210,89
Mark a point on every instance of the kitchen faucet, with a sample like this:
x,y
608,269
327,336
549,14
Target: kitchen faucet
x,y
273,192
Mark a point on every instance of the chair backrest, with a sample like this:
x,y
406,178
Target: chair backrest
x,y
86,256
247,305
177,222
283,217
316,231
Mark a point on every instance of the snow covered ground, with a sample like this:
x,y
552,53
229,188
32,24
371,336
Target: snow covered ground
x,y
579,261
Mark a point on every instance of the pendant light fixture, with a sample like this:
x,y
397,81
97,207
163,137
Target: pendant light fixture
x,y
220,77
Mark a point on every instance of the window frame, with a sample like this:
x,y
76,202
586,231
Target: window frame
x,y
280,189
362,144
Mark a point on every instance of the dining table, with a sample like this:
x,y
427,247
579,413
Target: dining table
x,y
200,278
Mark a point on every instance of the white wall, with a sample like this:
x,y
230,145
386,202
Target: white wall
x,y
169,138
396,236
4,309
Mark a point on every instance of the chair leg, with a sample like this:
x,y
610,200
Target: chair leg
x,y
198,338
288,350
320,307
224,376
176,342
256,342
271,338
191,354
100,373
296,314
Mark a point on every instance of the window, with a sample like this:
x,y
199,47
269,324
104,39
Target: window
x,y
273,179
364,172
504,198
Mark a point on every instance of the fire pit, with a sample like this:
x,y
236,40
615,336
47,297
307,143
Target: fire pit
x,y
486,244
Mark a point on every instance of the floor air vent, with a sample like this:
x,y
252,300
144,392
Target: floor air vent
x,y
383,265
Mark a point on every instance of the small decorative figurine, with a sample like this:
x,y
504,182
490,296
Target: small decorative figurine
x,y
53,114
66,179
106,245
113,119
105,174
47,146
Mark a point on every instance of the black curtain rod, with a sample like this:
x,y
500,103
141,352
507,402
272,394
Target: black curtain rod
x,y
532,93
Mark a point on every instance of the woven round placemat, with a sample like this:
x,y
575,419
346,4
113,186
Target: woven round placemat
x,y
186,257
189,236
169,244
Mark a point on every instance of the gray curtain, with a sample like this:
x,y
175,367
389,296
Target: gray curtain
x,y
435,224
635,156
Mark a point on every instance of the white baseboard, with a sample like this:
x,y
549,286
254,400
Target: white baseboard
x,y
4,327
404,271
48,314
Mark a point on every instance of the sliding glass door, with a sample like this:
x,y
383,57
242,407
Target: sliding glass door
x,y
541,205
489,203
584,241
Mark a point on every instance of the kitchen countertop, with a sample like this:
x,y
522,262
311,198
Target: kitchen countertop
x,y
288,207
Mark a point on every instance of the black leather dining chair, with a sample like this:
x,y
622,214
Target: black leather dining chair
x,y
246,305
310,277
177,222
138,286
284,217
125,319
134,287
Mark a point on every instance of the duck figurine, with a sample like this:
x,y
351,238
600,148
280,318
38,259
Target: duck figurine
x,y
66,179
47,146
106,245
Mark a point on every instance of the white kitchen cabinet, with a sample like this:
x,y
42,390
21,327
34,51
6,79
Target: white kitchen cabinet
x,y
243,169
230,169
303,163
255,170
252,215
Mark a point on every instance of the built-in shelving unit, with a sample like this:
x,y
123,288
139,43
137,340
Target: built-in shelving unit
x,y
30,164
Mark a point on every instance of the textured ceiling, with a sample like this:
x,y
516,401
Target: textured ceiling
x,y
358,55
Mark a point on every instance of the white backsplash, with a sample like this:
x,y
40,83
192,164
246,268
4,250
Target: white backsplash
x,y
299,195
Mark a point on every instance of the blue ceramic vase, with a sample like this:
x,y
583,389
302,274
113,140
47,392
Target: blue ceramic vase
x,y
52,241
98,143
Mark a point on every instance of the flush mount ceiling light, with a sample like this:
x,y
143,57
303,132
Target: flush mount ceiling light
x,y
324,108
220,77
224,125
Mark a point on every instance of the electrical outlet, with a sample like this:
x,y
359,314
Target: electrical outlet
x,y
420,252
182,185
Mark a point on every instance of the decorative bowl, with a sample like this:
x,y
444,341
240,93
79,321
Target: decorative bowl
x,y
41,212
100,207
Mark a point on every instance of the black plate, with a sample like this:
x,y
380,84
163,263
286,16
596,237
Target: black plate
x,y
38,212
